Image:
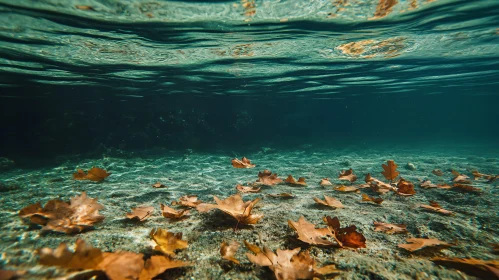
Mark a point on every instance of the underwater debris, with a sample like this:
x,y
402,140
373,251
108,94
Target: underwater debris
x,y
346,237
490,178
188,201
246,189
347,175
236,207
416,244
329,201
288,264
80,214
95,174
346,188
228,251
267,178
167,242
291,181
437,172
309,234
390,170
243,163
435,207
281,195
405,188
474,267
140,213
158,185
116,265
325,182
171,213
377,200
390,228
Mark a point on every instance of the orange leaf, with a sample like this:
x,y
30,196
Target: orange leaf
x,y
377,200
301,181
140,213
390,228
234,206
347,175
156,265
390,170
309,234
474,267
437,209
171,213
167,242
228,251
329,201
188,201
325,182
347,189
267,178
243,163
95,174
405,188
465,188
346,237
158,185
420,243
246,189
437,172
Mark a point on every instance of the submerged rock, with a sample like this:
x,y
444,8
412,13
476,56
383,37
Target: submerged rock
x,y
410,166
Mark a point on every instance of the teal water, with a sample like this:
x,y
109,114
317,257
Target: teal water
x,y
171,91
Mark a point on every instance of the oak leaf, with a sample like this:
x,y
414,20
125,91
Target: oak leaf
x,y
347,175
234,206
309,234
390,228
377,200
420,243
301,181
329,201
246,189
95,174
80,214
474,267
171,213
325,182
347,188
167,242
243,163
228,251
390,170
140,213
188,201
346,237
405,188
289,264
267,178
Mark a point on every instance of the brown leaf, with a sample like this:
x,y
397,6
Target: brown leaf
x,y
390,170
234,206
347,175
158,185
159,264
309,234
378,186
347,188
281,195
460,178
444,186
435,204
437,210
325,182
301,181
171,213
474,267
465,188
167,242
228,251
11,274
80,214
329,201
84,8
390,228
140,213
346,237
95,174
289,264
267,178
405,188
420,243
427,184
243,163
188,201
377,200
437,172
246,189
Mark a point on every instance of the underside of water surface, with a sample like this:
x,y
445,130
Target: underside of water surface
x,y
164,95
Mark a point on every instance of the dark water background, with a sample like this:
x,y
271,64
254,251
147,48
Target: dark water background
x,y
121,76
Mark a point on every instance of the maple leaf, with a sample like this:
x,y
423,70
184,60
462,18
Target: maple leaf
x,y
243,163
301,181
171,213
95,174
390,228
405,188
347,175
228,251
420,243
329,201
80,214
140,213
346,237
246,189
377,200
309,234
234,206
188,201
325,182
288,264
267,178
167,242
474,267
390,170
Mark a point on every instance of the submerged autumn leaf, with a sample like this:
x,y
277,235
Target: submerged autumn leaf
x,y
420,243
188,201
329,201
465,188
228,251
301,181
281,195
309,234
427,184
437,172
234,206
325,182
346,237
95,174
390,170
378,185
390,228
377,200
474,267
435,207
246,189
140,213
347,175
158,185
80,214
171,213
460,178
288,264
405,188
346,188
167,242
267,178
243,163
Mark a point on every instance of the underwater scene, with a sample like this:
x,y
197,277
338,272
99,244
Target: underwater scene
x,y
249,139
